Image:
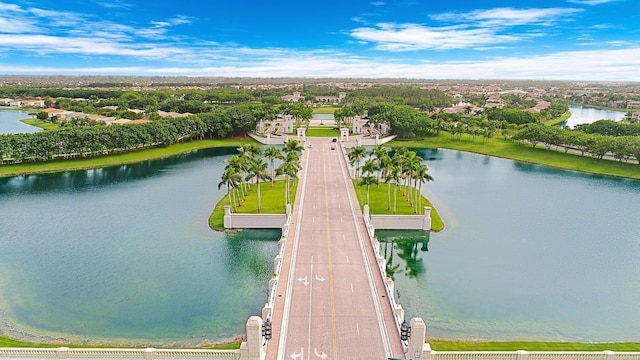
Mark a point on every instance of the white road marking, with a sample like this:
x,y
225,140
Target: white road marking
x,y
351,287
320,278
322,355
310,299
347,259
304,280
297,355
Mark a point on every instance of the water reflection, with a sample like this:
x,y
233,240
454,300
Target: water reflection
x,y
405,245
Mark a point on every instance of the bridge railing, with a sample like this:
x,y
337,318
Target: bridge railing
x,y
147,354
529,355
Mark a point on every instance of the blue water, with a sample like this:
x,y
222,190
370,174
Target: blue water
x,y
10,122
124,255
587,115
529,252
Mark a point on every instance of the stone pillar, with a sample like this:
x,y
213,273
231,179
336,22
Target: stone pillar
x,y
522,355
149,354
227,217
62,353
377,139
426,222
416,341
288,209
399,312
426,352
344,134
255,340
365,211
268,138
302,134
608,355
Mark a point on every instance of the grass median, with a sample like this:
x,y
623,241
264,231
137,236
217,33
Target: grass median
x,y
380,200
272,199
322,131
453,345
117,159
507,149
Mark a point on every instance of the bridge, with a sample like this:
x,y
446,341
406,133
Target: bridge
x,y
331,301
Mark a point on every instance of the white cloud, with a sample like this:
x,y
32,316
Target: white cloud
x,y
507,17
618,65
115,5
480,29
404,37
377,3
593,2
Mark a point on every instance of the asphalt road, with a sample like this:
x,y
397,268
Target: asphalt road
x,y
331,302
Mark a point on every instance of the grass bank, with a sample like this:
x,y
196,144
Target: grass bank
x,y
6,343
118,159
322,131
447,345
44,125
558,120
500,147
379,201
325,110
272,199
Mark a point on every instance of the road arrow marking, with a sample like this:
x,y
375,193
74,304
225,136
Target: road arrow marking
x,y
299,355
320,278
322,355
304,280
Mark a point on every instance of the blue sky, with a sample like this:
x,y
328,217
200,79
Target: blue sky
x,y
454,39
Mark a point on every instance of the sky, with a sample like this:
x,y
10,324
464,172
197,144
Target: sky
x,y
427,39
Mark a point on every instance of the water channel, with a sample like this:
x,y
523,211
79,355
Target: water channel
x,y
10,122
125,254
587,115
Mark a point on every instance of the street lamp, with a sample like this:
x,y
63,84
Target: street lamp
x,y
405,331
266,330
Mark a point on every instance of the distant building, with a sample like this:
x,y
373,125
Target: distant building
x,y
633,104
293,98
332,99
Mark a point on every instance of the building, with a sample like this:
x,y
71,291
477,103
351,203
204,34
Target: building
x,y
293,98
332,99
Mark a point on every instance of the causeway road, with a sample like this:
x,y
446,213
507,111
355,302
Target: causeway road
x,y
331,301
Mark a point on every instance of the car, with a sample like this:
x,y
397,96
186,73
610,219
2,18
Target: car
x,y
333,148
334,140
310,145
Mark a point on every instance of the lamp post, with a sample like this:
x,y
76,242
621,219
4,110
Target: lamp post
x,y
266,331
405,331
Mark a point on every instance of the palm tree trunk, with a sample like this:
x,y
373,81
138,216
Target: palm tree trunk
x,y
395,198
388,196
258,185
367,194
229,195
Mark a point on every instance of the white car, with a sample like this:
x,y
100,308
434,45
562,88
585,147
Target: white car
x,y
310,145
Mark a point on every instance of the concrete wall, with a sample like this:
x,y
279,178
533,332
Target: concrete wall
x,y
400,222
147,354
253,221
270,139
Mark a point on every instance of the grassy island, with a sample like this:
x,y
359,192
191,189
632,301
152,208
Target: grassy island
x,y
272,202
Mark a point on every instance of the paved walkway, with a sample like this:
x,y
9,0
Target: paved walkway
x,y
331,301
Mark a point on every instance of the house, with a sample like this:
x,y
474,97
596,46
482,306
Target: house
x,y
633,104
172,114
33,103
331,99
5,101
15,103
293,98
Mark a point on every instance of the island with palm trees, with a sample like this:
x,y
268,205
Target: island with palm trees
x,y
263,181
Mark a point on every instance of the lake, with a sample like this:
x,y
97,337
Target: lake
x,y
587,115
529,252
10,122
124,255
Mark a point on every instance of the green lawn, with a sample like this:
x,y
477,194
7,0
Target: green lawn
x,y
447,345
44,125
558,120
380,199
517,151
326,131
6,342
272,199
119,159
324,110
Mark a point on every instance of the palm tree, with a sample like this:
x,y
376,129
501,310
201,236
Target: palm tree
x,y
379,153
230,178
370,166
258,170
356,153
239,164
289,168
272,153
395,176
422,175
292,145
368,180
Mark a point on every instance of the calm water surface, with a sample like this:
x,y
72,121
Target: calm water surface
x,y
10,122
529,252
126,253
587,115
